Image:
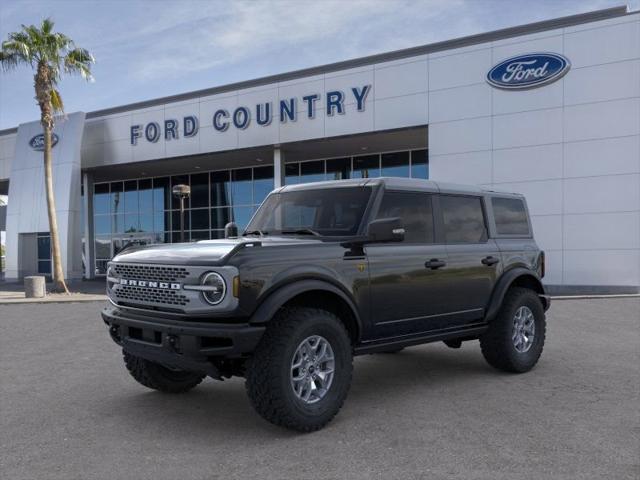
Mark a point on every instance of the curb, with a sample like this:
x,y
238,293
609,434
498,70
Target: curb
x,y
586,297
71,299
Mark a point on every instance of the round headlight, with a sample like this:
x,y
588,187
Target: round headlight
x,y
215,288
110,277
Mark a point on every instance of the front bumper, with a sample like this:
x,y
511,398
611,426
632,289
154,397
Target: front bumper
x,y
180,344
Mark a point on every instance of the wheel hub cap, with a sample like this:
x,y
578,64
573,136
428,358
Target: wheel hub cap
x,y
312,369
524,328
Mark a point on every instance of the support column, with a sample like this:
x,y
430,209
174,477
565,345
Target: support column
x,y
87,221
278,168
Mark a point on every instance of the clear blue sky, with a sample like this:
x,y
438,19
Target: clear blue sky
x,y
149,49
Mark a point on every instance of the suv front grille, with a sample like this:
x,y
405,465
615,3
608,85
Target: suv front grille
x,y
151,272
159,296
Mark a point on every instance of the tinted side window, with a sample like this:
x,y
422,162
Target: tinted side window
x,y
415,211
510,215
463,219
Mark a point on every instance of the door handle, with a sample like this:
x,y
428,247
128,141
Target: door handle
x,y
488,261
434,264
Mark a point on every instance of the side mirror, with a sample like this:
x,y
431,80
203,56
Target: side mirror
x,y
385,230
230,230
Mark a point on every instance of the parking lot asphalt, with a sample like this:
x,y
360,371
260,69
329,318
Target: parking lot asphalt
x,y
69,410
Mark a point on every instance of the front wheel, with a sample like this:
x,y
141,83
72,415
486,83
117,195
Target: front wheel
x,y
515,338
300,373
158,377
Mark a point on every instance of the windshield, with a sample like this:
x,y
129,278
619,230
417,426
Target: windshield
x,y
324,212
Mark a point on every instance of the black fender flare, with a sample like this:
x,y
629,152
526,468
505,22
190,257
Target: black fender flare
x,y
504,283
282,294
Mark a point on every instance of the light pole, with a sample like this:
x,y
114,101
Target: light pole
x,y
182,192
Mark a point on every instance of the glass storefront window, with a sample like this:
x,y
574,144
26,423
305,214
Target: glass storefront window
x,y
339,168
420,164
241,191
395,164
145,195
144,210
312,171
292,173
161,221
161,194
220,189
131,203
200,190
131,223
242,215
146,222
262,183
117,223
175,220
117,192
367,166
101,198
220,217
200,219
102,224
103,247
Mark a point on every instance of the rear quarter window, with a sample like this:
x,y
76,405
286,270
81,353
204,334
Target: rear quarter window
x,y
510,216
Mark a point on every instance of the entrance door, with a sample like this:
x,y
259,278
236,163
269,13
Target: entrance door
x,y
406,278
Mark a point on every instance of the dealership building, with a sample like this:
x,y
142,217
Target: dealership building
x,y
549,109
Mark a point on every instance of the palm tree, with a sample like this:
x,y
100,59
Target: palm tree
x,y
50,55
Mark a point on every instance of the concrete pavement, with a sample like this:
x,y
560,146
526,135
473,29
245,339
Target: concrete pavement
x,y
69,410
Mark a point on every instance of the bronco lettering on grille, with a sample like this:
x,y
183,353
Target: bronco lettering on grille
x,y
150,284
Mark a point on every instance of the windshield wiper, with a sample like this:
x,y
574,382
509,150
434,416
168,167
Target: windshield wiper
x,y
255,232
301,231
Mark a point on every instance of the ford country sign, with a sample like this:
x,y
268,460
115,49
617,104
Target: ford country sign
x,y
528,71
37,142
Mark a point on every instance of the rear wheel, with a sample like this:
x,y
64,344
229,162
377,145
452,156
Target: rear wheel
x,y
158,377
300,373
515,338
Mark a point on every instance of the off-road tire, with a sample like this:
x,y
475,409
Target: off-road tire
x,y
496,343
155,376
268,381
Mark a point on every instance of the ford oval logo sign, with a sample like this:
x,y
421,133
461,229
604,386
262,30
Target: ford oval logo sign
x,y
528,71
37,142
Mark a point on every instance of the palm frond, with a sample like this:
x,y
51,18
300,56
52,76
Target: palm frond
x,y
56,101
79,61
18,46
9,61
47,26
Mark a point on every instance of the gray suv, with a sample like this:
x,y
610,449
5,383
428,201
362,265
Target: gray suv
x,y
326,271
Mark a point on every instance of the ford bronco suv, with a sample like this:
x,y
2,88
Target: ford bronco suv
x,y
325,271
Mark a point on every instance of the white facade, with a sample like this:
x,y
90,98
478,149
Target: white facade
x,y
572,147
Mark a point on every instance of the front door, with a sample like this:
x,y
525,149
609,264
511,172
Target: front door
x,y
406,278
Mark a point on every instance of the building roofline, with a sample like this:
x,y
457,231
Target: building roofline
x,y
494,35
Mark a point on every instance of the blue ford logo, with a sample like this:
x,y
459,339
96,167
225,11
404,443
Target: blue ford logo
x,y
528,71
37,142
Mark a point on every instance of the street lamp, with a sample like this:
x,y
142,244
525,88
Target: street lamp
x,y
182,192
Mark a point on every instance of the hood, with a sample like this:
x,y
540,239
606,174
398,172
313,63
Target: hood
x,y
206,252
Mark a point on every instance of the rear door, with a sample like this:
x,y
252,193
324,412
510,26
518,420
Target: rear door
x,y
407,296
473,258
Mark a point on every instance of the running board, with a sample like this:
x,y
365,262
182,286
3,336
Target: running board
x,y
390,343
